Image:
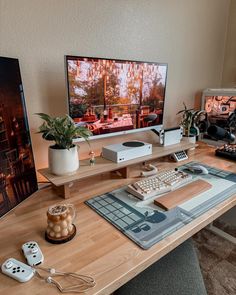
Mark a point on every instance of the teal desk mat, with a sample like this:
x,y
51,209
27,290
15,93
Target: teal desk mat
x,y
145,223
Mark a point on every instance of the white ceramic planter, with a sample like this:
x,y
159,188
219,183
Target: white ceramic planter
x,y
191,139
63,162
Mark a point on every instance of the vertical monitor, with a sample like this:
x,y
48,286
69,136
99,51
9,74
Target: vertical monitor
x,y
17,169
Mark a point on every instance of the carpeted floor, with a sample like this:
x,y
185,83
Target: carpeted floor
x,y
217,259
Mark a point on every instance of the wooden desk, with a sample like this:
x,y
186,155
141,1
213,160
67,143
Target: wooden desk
x,y
99,249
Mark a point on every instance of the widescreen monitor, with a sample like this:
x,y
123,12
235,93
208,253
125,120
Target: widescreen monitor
x,y
110,96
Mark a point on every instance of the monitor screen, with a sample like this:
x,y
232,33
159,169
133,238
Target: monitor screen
x,y
220,105
111,96
17,170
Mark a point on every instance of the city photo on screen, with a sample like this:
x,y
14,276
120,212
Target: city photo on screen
x,y
17,169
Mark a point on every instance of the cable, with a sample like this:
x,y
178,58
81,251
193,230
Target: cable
x,y
151,170
85,282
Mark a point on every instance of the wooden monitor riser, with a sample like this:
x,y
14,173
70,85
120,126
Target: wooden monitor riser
x,y
64,184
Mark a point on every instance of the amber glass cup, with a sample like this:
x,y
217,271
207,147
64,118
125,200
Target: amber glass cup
x,y
60,219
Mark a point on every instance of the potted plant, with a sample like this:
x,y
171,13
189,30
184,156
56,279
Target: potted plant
x,y
187,123
63,155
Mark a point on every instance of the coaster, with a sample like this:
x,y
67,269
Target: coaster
x,y
61,240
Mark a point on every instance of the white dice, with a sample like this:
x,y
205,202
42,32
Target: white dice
x,y
32,252
17,270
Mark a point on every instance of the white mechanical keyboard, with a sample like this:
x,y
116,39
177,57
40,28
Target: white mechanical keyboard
x,y
163,182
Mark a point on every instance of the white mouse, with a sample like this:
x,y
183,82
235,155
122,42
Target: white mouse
x,y
198,169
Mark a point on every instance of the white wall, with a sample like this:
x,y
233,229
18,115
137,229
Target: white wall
x,y
188,34
229,71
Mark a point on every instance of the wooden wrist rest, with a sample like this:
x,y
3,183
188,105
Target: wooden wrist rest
x,y
182,194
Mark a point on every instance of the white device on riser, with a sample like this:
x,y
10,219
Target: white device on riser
x,y
17,270
33,253
171,136
122,152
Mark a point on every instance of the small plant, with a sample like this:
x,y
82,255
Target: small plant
x,y
62,130
187,119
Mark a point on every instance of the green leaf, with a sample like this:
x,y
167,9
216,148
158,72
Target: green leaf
x,y
62,130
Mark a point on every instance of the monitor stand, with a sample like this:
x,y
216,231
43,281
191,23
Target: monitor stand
x,y
156,132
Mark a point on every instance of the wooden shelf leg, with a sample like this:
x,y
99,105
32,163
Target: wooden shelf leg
x,y
63,190
124,172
